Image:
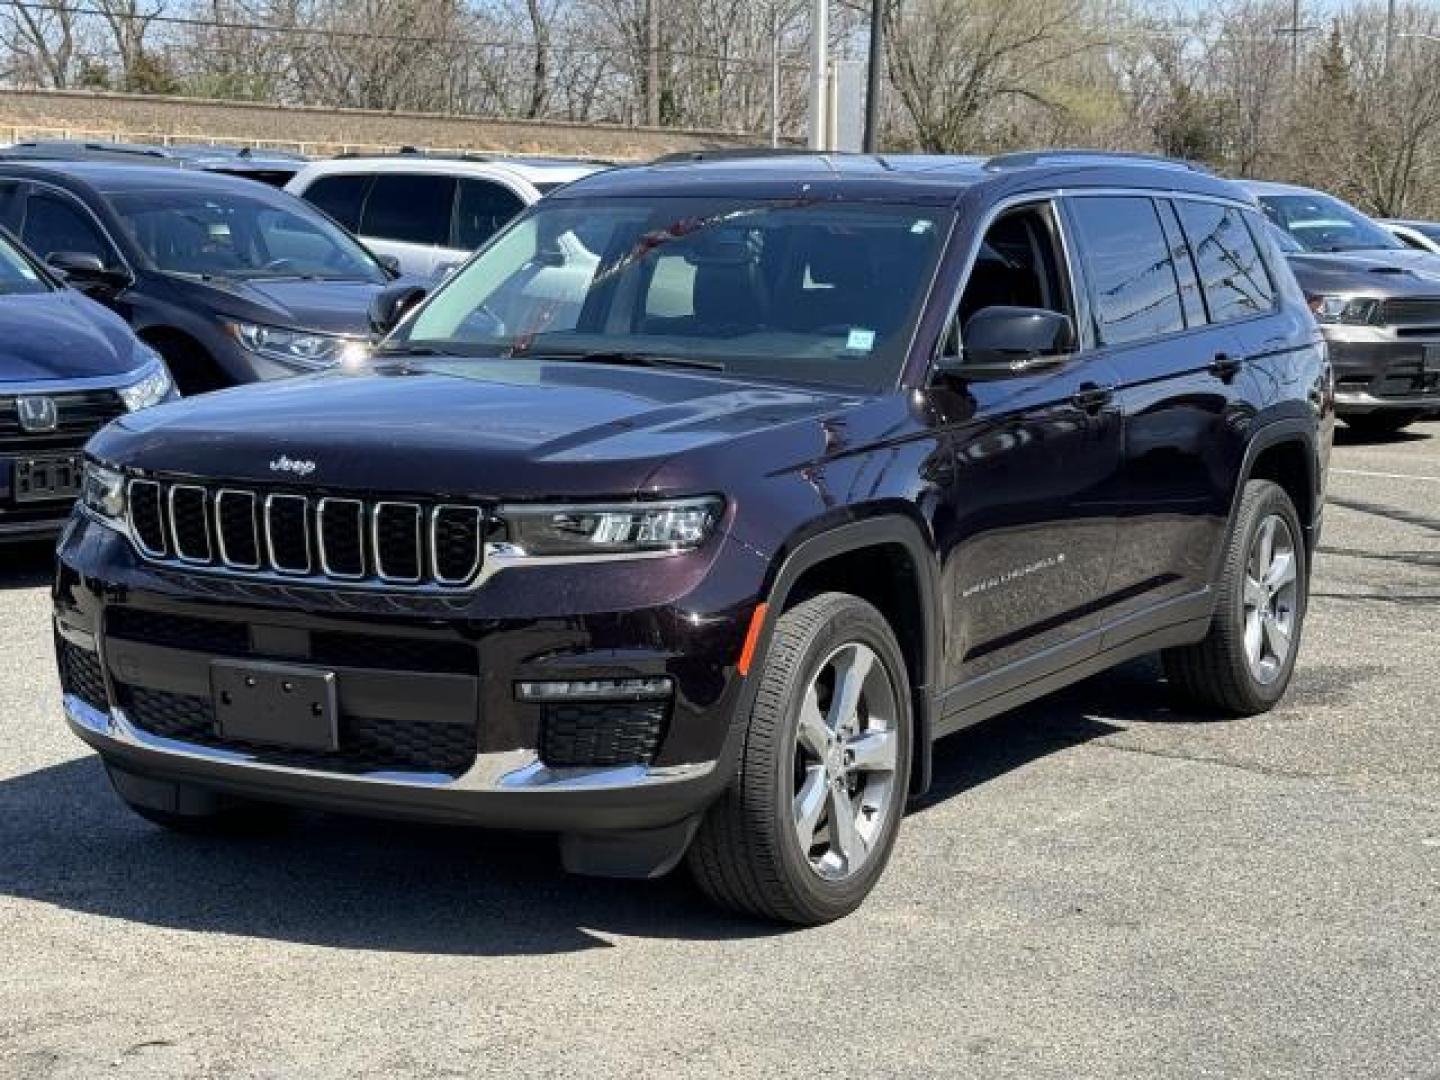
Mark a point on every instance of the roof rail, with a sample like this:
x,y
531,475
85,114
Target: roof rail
x,y
1025,158
472,155
735,153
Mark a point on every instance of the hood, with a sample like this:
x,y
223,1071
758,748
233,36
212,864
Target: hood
x,y
331,307
479,429
1401,272
61,335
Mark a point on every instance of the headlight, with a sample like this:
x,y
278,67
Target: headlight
x,y
103,490
1344,309
625,528
151,388
297,348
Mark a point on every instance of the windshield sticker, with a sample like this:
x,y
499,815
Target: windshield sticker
x,y
860,341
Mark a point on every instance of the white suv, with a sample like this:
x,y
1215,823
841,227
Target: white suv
x,y
428,211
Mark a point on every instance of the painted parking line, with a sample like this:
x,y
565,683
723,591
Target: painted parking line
x,y
1386,475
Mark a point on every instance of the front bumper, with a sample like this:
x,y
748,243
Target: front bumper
x,y
1383,368
412,661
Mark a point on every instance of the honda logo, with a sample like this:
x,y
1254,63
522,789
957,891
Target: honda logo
x,y
37,413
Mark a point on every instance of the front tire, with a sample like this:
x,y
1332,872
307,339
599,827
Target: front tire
x,y
809,821
1244,665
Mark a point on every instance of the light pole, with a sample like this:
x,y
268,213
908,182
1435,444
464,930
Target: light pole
x,y
874,77
819,49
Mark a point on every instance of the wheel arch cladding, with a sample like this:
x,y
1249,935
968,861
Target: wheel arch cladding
x,y
887,563
1289,461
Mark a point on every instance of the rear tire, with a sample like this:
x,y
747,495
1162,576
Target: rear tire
x,y
1377,425
808,823
1244,665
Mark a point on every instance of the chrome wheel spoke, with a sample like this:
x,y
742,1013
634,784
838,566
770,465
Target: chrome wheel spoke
x,y
850,679
810,804
814,734
1281,571
1254,594
1254,637
873,751
849,844
1277,639
1265,544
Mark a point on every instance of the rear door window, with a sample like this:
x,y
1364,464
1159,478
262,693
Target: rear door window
x,y
414,209
1232,274
341,196
1128,263
482,209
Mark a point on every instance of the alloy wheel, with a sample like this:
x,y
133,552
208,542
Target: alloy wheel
x,y
1271,599
846,747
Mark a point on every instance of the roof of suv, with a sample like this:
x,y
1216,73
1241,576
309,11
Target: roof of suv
x,y
909,177
531,171
109,177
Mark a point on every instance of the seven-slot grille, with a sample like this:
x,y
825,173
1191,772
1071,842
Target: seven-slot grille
x,y
334,537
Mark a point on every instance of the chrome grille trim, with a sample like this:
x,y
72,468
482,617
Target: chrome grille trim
x,y
176,489
479,520
225,557
375,514
148,485
429,538
270,502
325,565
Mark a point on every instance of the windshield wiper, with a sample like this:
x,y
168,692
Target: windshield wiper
x,y
404,349
636,359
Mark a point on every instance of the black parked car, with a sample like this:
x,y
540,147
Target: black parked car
x,y
692,510
273,167
1377,299
230,280
67,366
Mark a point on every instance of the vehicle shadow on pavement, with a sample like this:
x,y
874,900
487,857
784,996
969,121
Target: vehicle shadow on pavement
x,y
342,882
1345,436
27,565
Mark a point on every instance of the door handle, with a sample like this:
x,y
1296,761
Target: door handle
x,y
1225,366
1092,397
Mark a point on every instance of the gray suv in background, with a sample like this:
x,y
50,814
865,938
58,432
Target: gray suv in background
x,y
1377,300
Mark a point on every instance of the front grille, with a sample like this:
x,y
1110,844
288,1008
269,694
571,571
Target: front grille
x,y
598,734
338,539
366,745
80,673
1411,311
78,416
327,648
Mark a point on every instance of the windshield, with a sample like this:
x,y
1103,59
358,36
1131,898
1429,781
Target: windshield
x,y
808,292
16,273
223,234
1322,223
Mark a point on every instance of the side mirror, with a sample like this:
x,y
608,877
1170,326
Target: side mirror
x,y
1001,341
82,270
391,305
390,264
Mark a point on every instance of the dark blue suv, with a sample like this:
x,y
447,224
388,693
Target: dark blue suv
x,y
686,516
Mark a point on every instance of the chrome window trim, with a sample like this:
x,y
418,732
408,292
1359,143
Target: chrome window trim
x,y
270,500
380,573
325,567
140,545
204,520
225,558
469,575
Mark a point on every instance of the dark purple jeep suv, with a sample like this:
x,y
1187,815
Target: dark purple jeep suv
x,y
686,516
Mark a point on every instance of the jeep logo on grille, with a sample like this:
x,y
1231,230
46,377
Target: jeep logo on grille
x,y
37,414
292,465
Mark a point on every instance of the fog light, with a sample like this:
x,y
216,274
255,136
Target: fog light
x,y
647,689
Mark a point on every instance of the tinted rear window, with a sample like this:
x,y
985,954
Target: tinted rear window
x,y
1232,274
1128,263
413,209
341,197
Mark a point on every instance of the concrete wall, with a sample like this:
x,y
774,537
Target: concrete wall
x,y
320,131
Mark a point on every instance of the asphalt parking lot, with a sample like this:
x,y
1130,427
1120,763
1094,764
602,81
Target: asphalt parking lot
x,y
1098,886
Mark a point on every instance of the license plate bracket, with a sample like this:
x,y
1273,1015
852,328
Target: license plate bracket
x,y
275,704
40,479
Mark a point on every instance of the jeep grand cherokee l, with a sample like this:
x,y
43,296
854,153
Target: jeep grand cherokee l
x,y
1377,299
685,517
